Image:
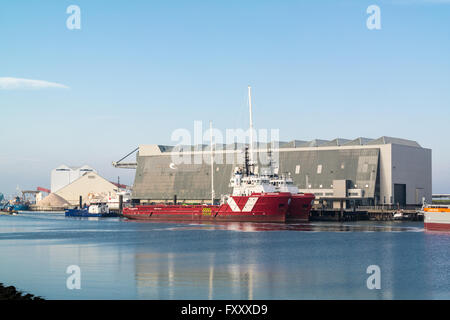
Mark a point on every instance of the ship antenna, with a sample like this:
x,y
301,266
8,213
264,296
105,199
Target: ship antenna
x,y
269,158
246,162
212,163
251,124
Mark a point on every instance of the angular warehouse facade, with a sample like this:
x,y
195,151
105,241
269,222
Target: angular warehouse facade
x,y
366,171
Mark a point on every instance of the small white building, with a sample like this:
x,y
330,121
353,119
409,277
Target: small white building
x,y
65,175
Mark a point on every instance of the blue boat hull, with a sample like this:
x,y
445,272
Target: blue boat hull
x,y
20,207
15,207
84,213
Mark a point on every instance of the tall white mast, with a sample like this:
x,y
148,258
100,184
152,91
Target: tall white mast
x,y
212,163
251,124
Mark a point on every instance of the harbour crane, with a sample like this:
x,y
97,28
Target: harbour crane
x,y
126,165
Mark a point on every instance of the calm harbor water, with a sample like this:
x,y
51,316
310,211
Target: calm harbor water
x,y
122,259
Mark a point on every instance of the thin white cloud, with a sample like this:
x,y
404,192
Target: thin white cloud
x,y
418,2
7,83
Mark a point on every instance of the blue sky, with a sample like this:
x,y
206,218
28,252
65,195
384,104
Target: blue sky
x,y
138,70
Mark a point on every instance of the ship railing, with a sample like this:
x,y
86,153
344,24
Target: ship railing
x,y
389,207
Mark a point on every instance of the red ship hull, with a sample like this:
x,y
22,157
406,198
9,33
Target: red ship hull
x,y
300,207
437,218
265,207
437,226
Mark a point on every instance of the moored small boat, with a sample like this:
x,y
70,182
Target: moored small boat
x,y
17,205
21,207
93,211
6,209
400,215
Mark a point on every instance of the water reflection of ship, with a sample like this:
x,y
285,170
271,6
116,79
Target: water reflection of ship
x,y
234,226
305,226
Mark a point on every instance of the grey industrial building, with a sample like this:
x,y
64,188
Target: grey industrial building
x,y
363,171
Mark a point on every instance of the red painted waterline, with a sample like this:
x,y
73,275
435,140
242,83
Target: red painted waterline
x,y
437,226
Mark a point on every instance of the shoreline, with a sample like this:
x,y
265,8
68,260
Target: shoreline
x,y
11,293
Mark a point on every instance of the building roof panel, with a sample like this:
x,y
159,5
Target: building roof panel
x,y
392,140
358,142
335,142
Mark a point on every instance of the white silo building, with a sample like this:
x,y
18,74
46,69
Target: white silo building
x,y
65,175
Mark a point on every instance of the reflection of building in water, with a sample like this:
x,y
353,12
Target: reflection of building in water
x,y
237,276
211,281
320,265
169,276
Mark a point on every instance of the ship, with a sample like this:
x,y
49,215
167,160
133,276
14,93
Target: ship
x,y
3,205
14,206
300,203
255,198
436,217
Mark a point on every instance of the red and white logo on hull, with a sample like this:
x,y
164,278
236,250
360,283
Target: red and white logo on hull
x,y
251,201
